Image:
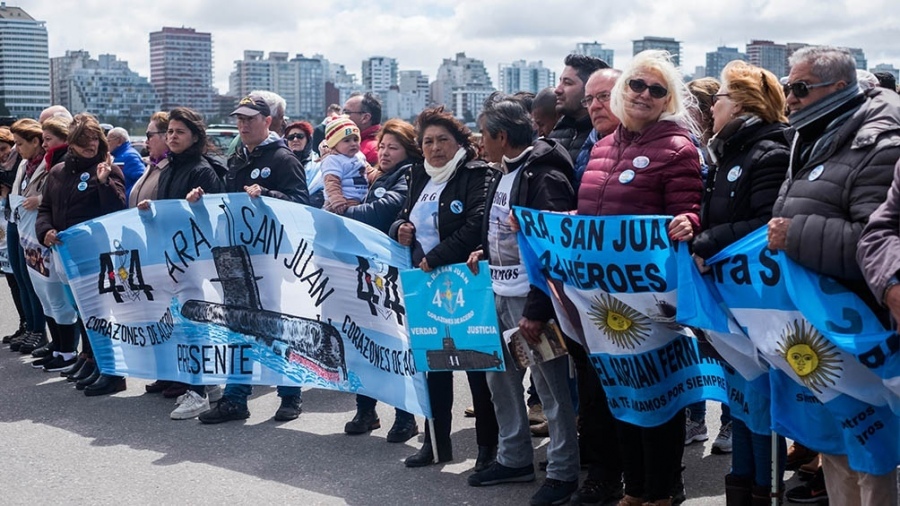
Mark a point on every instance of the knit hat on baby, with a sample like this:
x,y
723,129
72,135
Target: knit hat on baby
x,y
338,128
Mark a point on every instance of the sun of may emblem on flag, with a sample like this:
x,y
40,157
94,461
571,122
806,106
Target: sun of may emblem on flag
x,y
814,359
624,325
448,299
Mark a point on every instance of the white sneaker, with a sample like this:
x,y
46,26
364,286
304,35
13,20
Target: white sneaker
x,y
191,405
214,392
722,444
694,431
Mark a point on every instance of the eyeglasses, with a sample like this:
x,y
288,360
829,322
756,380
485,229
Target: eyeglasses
x,y
294,137
638,86
715,98
601,97
348,113
151,134
800,89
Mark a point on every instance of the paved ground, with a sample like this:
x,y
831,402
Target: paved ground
x,y
62,447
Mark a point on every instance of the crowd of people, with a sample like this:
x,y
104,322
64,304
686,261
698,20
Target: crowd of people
x,y
810,155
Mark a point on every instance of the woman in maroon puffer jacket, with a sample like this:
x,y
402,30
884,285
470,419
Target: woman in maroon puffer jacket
x,y
650,165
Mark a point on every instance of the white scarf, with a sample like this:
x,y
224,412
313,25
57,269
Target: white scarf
x,y
442,174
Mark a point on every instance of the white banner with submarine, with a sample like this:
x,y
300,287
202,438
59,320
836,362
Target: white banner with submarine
x,y
240,290
613,281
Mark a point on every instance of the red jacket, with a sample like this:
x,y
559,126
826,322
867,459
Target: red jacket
x,y
655,171
368,143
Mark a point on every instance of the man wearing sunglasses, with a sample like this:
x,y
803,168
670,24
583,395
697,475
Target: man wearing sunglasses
x,y
844,146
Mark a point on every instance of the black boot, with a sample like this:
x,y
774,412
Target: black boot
x,y
762,496
18,333
105,385
487,455
738,490
290,409
364,421
425,455
88,380
86,370
403,430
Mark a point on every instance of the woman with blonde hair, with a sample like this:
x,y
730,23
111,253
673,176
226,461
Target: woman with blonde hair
x,y
649,166
749,156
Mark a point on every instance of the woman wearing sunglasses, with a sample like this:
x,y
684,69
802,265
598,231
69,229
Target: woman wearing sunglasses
x,y
649,166
748,160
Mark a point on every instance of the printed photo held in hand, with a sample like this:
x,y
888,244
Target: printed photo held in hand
x,y
550,345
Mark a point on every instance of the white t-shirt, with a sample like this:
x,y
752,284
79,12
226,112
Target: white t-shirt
x,y
424,215
508,276
352,172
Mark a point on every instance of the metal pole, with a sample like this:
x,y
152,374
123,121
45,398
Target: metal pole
x,y
773,491
434,448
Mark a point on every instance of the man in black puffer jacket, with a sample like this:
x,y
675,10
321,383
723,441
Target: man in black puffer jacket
x,y
574,125
844,148
262,165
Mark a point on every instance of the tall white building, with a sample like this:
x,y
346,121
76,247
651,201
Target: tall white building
x,y
105,87
299,80
459,83
596,50
342,83
521,76
181,69
664,43
379,74
413,93
24,63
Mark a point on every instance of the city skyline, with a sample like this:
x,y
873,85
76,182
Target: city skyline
x,y
420,34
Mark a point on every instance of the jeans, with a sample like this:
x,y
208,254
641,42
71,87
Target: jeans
x,y
698,413
238,393
551,379
31,304
751,455
364,403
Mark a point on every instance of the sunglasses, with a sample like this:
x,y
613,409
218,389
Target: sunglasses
x,y
800,89
638,86
151,134
294,137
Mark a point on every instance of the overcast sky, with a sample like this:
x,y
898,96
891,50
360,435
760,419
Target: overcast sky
x,y
420,33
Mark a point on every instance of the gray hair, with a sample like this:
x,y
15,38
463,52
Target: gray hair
x,y
506,113
276,103
828,63
118,132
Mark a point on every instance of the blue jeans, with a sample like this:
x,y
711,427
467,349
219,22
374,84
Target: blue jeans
x,y
751,455
238,393
698,412
31,304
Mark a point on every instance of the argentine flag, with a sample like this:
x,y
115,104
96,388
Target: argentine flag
x,y
613,281
822,395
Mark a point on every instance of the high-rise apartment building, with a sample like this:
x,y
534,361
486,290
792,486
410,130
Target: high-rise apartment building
x,y
105,87
860,56
521,76
379,74
596,50
24,63
665,43
716,60
886,67
769,55
299,80
181,68
459,84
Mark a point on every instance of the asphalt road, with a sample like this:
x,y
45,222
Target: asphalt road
x,y
60,447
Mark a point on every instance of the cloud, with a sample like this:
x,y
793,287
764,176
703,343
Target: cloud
x,y
420,33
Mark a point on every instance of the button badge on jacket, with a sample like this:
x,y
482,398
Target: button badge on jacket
x,y
626,177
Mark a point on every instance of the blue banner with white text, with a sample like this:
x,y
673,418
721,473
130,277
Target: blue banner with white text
x,y
452,320
239,290
614,284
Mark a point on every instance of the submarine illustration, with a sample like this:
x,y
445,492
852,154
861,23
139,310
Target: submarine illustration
x,y
453,359
314,344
